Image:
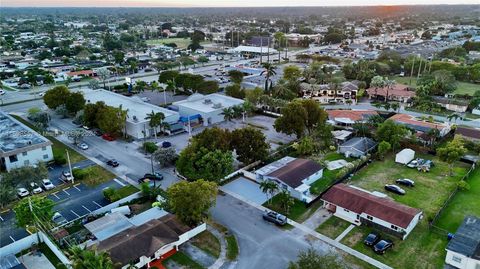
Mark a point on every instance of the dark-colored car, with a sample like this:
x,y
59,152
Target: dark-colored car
x,y
371,239
406,182
154,176
113,163
275,217
98,133
395,189
108,137
382,246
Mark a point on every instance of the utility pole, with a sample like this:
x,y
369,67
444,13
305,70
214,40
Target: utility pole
x,y
411,72
261,49
419,68
268,49
70,166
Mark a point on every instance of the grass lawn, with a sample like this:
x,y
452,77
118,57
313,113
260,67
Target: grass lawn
x,y
96,175
298,212
182,43
232,247
329,176
333,227
207,242
333,156
126,191
431,189
462,87
421,249
462,204
183,259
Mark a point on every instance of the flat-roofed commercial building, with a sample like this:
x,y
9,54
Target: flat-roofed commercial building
x,y
20,145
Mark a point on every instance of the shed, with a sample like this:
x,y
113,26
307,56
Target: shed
x,y
405,156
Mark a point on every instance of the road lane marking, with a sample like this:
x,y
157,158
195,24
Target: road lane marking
x,y
78,216
97,204
119,182
12,238
89,211
65,191
77,184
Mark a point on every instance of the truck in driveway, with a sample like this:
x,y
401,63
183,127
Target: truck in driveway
x,y
274,217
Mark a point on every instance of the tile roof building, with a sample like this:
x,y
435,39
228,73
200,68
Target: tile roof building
x,y
421,125
398,92
361,207
344,117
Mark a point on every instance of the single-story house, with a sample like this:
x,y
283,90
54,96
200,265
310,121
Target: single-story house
x,y
292,175
451,104
340,136
341,117
250,50
421,125
357,147
463,250
470,134
405,156
359,206
206,108
398,92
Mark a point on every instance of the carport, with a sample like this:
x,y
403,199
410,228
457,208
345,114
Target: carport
x,y
247,189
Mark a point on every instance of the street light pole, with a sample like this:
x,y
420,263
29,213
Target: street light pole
x,y
70,166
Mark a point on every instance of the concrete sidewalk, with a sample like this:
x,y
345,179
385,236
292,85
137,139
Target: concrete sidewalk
x,y
317,235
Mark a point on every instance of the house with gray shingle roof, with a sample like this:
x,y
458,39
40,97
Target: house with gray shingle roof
x,y
463,250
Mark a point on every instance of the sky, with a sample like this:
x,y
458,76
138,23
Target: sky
x,y
220,3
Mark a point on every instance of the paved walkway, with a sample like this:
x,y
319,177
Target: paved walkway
x,y
223,248
344,233
317,218
317,235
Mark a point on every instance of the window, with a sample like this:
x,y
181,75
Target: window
x,y
369,217
44,148
346,210
13,158
358,216
456,259
393,227
26,162
24,153
45,156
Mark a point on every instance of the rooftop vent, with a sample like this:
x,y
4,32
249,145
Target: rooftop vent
x,y
217,105
207,101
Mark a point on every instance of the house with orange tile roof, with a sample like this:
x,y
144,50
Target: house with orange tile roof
x,y
420,125
397,92
345,117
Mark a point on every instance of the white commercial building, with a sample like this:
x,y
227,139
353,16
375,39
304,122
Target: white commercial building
x,y
208,108
20,145
253,50
138,111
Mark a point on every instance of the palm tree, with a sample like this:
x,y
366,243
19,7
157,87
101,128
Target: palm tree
x,y
286,200
349,102
228,114
395,106
123,115
83,258
453,116
171,85
269,188
268,72
155,121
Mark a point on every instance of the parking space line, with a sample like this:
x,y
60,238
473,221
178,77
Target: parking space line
x,y
1,218
99,206
55,194
89,211
77,188
65,190
119,182
78,216
12,238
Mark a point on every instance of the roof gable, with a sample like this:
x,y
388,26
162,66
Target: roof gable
x,y
295,171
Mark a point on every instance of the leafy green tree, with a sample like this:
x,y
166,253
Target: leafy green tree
x,y
235,76
212,165
212,139
110,120
165,76
250,145
235,90
439,82
292,120
383,148
165,156
452,152
391,132
55,97
311,259
191,201
292,73
305,146
269,188
282,91
203,60
83,258
74,102
42,210
253,96
7,194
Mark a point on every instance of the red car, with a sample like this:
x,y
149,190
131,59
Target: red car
x,y
108,137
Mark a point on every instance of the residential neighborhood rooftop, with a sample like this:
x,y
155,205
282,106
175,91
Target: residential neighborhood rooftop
x,y
208,103
293,172
467,238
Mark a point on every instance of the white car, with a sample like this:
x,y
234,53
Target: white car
x,y
47,184
22,192
83,146
67,176
86,127
35,188
41,94
2,92
59,219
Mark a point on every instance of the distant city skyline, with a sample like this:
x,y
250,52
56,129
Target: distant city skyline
x,y
223,3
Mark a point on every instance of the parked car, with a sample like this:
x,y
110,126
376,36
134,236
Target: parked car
x,y
35,188
371,239
59,219
85,127
275,217
382,246
415,163
98,133
2,92
47,184
154,176
83,146
108,137
166,144
67,176
406,182
22,192
41,94
113,163
395,189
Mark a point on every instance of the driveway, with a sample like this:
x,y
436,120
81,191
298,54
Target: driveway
x,y
248,189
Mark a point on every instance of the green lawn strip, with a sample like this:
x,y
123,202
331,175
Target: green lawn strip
x,y
462,87
421,249
298,212
96,175
333,156
51,256
358,263
183,259
126,191
431,189
232,247
333,227
462,204
207,242
58,147
182,43
328,178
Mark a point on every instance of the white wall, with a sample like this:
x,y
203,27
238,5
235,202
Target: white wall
x,y
461,261
311,179
32,157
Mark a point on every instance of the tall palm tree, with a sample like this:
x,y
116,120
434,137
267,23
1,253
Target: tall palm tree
x,y
268,72
123,116
171,85
83,258
228,114
155,120
269,188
